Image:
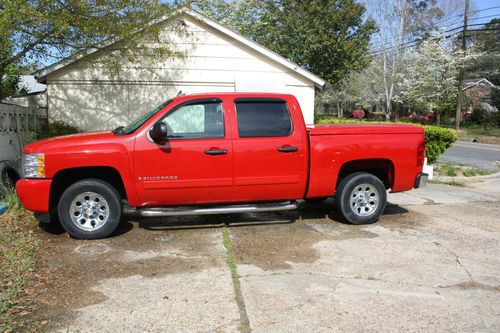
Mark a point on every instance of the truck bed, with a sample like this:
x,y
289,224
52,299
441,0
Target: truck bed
x,y
331,129
335,147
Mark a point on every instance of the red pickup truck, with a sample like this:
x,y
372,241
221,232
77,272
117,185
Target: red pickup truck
x,y
218,153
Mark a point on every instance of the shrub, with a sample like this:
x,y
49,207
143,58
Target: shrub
x,y
449,170
485,115
358,114
376,115
419,119
469,173
57,128
437,139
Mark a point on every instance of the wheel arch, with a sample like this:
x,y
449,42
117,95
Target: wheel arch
x,y
64,178
382,168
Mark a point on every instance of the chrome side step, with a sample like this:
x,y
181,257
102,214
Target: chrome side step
x,y
227,209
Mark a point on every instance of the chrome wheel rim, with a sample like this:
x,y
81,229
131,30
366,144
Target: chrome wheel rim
x,y
364,199
89,211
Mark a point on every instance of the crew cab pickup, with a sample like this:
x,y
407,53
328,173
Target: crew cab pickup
x,y
218,153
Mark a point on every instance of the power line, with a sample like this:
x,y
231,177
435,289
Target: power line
x,y
470,33
488,16
468,25
485,9
461,15
450,30
446,31
475,19
454,28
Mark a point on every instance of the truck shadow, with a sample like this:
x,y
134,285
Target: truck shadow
x,y
323,211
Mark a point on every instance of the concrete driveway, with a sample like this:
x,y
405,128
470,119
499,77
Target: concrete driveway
x,y
430,264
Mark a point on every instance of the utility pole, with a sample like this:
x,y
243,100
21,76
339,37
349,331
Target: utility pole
x,y
462,69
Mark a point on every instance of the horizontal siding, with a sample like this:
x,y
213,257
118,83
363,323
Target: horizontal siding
x,y
86,95
103,106
208,55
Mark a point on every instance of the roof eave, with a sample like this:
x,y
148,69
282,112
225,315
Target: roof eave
x,y
41,75
318,82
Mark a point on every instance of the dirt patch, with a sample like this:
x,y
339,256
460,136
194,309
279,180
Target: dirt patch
x,y
69,268
473,285
397,218
275,246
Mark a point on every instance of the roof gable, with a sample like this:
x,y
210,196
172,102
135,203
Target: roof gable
x,y
478,82
318,82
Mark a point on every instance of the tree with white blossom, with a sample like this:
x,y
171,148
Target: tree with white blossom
x,y
431,71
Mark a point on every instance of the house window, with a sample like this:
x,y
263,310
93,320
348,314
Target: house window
x,y
196,121
263,118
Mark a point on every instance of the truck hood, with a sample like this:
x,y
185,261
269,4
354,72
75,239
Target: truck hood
x,y
331,129
69,141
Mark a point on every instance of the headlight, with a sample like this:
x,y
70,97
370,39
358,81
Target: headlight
x,y
34,165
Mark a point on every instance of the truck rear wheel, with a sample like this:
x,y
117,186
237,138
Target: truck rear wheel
x,y
361,198
90,209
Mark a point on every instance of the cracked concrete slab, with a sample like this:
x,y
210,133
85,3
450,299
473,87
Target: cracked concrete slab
x,y
430,264
440,194
435,268
202,301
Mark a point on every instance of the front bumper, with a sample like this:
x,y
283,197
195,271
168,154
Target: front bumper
x,y
34,194
421,180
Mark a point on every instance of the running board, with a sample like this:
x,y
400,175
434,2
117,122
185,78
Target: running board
x,y
227,209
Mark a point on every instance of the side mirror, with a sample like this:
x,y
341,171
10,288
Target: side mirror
x,y
158,132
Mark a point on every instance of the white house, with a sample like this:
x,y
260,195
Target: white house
x,y
216,59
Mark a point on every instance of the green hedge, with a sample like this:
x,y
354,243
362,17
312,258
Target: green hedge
x,y
437,139
57,128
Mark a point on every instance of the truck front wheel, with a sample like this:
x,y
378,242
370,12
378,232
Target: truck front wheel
x,y
90,209
361,198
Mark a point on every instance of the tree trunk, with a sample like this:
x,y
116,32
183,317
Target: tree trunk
x,y
388,111
1,86
387,114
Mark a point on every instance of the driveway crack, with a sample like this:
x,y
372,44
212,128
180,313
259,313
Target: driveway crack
x,y
457,259
231,262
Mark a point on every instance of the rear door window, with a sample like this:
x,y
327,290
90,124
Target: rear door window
x,y
263,118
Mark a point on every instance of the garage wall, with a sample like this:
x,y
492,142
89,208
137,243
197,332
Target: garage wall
x,y
86,95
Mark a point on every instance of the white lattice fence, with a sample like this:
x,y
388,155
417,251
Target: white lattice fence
x,y
18,125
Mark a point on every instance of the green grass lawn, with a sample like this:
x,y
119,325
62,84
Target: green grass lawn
x,y
490,135
455,170
18,255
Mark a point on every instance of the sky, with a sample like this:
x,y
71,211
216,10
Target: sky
x,y
482,4
483,11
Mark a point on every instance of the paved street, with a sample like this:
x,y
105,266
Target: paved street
x,y
430,264
479,155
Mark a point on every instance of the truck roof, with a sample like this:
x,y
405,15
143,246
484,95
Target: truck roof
x,y
234,94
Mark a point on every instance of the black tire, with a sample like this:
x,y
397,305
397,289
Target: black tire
x,y
101,188
346,189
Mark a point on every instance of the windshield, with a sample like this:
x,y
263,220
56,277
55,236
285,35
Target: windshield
x,y
142,119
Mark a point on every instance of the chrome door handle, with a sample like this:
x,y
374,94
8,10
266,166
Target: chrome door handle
x,y
216,151
287,149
